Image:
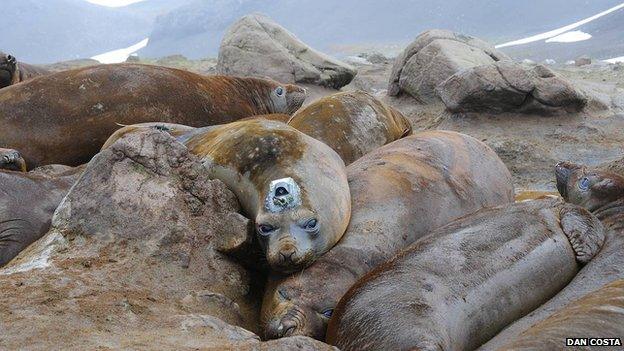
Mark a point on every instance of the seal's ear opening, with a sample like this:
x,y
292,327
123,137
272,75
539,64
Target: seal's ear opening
x,y
584,231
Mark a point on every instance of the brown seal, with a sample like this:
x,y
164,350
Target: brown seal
x,y
27,203
602,191
293,186
66,117
13,72
399,193
598,315
351,123
457,287
12,160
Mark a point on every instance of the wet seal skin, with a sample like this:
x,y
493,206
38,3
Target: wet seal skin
x,y
293,186
13,72
601,191
597,315
66,117
27,203
12,160
399,193
457,287
351,123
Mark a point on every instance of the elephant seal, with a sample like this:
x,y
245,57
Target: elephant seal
x,y
27,203
601,191
293,186
351,123
13,72
66,117
598,315
399,193
12,160
457,287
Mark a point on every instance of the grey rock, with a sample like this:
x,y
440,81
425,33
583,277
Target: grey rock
x,y
257,46
583,61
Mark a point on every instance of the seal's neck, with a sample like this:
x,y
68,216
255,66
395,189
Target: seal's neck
x,y
612,215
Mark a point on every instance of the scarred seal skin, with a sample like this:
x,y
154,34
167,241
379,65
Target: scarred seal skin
x,y
66,117
351,123
599,314
12,160
399,193
13,72
600,190
457,287
27,203
293,186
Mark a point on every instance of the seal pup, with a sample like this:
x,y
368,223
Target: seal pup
x,y
27,203
598,315
12,160
602,191
351,123
13,72
293,186
399,193
66,117
457,287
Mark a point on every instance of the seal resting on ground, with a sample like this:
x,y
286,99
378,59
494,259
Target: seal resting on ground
x,y
293,186
599,314
602,192
66,117
12,160
351,123
457,287
27,203
399,193
13,72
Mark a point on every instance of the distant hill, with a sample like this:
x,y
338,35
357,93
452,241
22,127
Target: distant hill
x,y
195,30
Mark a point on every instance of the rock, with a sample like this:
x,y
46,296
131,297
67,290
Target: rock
x,y
583,61
257,46
133,58
374,57
130,261
509,87
434,56
293,343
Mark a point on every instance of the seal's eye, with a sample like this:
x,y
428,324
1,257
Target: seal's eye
x,y
282,293
584,183
279,91
311,225
265,229
328,312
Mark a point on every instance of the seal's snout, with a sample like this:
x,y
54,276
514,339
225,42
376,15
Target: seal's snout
x,y
286,255
280,328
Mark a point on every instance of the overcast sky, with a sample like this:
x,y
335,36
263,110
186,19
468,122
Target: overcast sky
x,y
114,3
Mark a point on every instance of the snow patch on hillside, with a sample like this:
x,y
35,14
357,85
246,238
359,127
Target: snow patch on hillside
x,y
615,60
559,31
570,37
121,55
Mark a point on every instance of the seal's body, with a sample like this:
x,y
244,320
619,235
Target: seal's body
x,y
293,186
66,117
598,315
27,203
457,287
351,123
399,193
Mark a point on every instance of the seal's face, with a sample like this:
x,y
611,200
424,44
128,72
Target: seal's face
x,y
590,189
12,160
287,98
8,68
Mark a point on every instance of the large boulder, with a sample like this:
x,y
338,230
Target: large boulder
x,y
257,46
434,56
510,87
131,262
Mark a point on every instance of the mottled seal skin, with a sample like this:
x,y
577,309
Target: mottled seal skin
x,y
27,203
13,72
457,287
12,160
351,123
399,193
66,117
599,314
249,155
601,192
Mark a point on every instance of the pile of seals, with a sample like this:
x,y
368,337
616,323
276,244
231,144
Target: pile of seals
x,y
371,237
